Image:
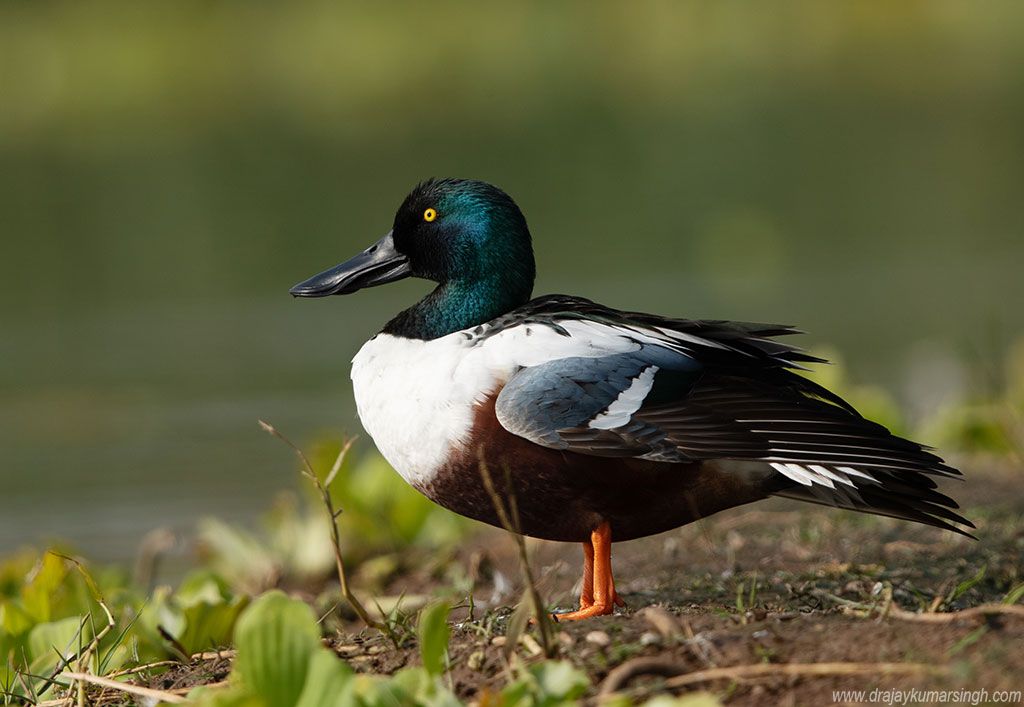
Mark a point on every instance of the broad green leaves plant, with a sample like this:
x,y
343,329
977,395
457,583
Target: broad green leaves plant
x,y
276,639
53,615
434,634
281,663
382,514
209,612
546,684
329,682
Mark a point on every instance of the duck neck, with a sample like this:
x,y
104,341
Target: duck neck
x,y
456,305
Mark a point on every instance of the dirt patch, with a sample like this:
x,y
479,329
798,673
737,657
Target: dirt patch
x,y
775,583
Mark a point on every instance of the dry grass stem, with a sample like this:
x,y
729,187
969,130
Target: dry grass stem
x,y
323,487
511,524
964,614
743,672
648,665
147,692
889,609
94,644
227,654
134,670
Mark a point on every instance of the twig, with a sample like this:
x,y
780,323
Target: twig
x,y
847,603
948,617
931,617
159,695
621,675
662,621
741,672
323,487
142,668
195,657
541,616
206,655
226,654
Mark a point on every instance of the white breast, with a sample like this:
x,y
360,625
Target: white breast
x,y
417,398
411,401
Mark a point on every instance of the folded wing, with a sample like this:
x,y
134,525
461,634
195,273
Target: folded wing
x,y
696,391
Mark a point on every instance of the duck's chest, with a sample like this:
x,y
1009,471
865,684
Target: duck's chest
x,y
417,398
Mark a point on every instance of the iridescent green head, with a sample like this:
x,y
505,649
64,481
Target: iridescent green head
x,y
467,236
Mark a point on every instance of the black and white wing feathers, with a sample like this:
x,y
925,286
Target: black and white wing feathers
x,y
693,391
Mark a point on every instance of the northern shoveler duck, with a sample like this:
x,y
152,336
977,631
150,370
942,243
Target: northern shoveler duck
x,y
609,425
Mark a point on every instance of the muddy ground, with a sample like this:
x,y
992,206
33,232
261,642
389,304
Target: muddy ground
x,y
773,583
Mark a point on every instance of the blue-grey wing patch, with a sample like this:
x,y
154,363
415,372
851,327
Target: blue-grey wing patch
x,y
589,405
663,407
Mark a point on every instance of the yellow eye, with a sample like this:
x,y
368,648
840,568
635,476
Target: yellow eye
x,y
429,215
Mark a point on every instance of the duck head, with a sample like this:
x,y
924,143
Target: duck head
x,y
467,236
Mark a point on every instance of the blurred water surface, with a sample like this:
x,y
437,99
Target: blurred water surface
x,y
169,170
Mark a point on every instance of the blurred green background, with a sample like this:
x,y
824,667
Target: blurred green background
x,y
170,169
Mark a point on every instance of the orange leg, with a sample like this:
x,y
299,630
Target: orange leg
x,y
587,593
598,597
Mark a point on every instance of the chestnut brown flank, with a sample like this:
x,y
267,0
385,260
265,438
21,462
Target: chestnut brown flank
x,y
563,496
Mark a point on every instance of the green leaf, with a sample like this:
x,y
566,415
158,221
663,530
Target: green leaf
x,y
433,634
328,684
966,585
233,696
414,682
546,684
968,640
45,637
38,594
415,686
239,556
201,586
210,625
14,620
559,680
515,694
379,691
276,638
1014,595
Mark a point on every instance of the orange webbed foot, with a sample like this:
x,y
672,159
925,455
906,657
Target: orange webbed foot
x,y
588,613
598,596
